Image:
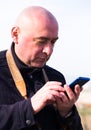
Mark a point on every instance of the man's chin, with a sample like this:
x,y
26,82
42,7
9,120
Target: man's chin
x,y
38,65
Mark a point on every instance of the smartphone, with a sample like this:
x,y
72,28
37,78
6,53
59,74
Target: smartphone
x,y
80,80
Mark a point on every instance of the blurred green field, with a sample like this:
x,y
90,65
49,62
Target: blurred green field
x,y
85,113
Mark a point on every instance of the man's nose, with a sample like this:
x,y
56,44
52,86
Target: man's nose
x,y
48,48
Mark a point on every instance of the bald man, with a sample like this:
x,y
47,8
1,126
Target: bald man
x,y
32,94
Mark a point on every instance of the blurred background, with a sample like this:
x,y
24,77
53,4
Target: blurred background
x,y
72,51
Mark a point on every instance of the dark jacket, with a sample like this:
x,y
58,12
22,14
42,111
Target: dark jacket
x,y
16,113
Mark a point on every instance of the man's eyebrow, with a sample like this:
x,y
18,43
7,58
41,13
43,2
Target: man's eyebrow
x,y
45,38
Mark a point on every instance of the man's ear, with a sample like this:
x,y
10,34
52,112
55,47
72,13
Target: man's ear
x,y
14,34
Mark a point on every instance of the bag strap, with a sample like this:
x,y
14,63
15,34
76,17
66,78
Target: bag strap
x,y
18,79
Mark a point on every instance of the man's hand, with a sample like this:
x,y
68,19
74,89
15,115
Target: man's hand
x,y
66,101
47,95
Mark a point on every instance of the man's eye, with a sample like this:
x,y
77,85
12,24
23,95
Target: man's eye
x,y
42,42
53,41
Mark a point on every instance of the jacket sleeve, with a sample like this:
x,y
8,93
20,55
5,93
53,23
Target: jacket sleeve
x,y
16,116
72,122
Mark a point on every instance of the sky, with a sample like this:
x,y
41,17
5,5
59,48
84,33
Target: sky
x,y
72,51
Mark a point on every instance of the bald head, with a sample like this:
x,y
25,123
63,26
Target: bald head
x,y
35,11
33,15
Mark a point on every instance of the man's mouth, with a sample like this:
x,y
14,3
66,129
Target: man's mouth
x,y
41,59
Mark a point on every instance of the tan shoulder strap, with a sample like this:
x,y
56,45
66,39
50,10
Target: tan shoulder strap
x,y
45,75
18,79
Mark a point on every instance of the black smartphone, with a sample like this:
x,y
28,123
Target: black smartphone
x,y
80,80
